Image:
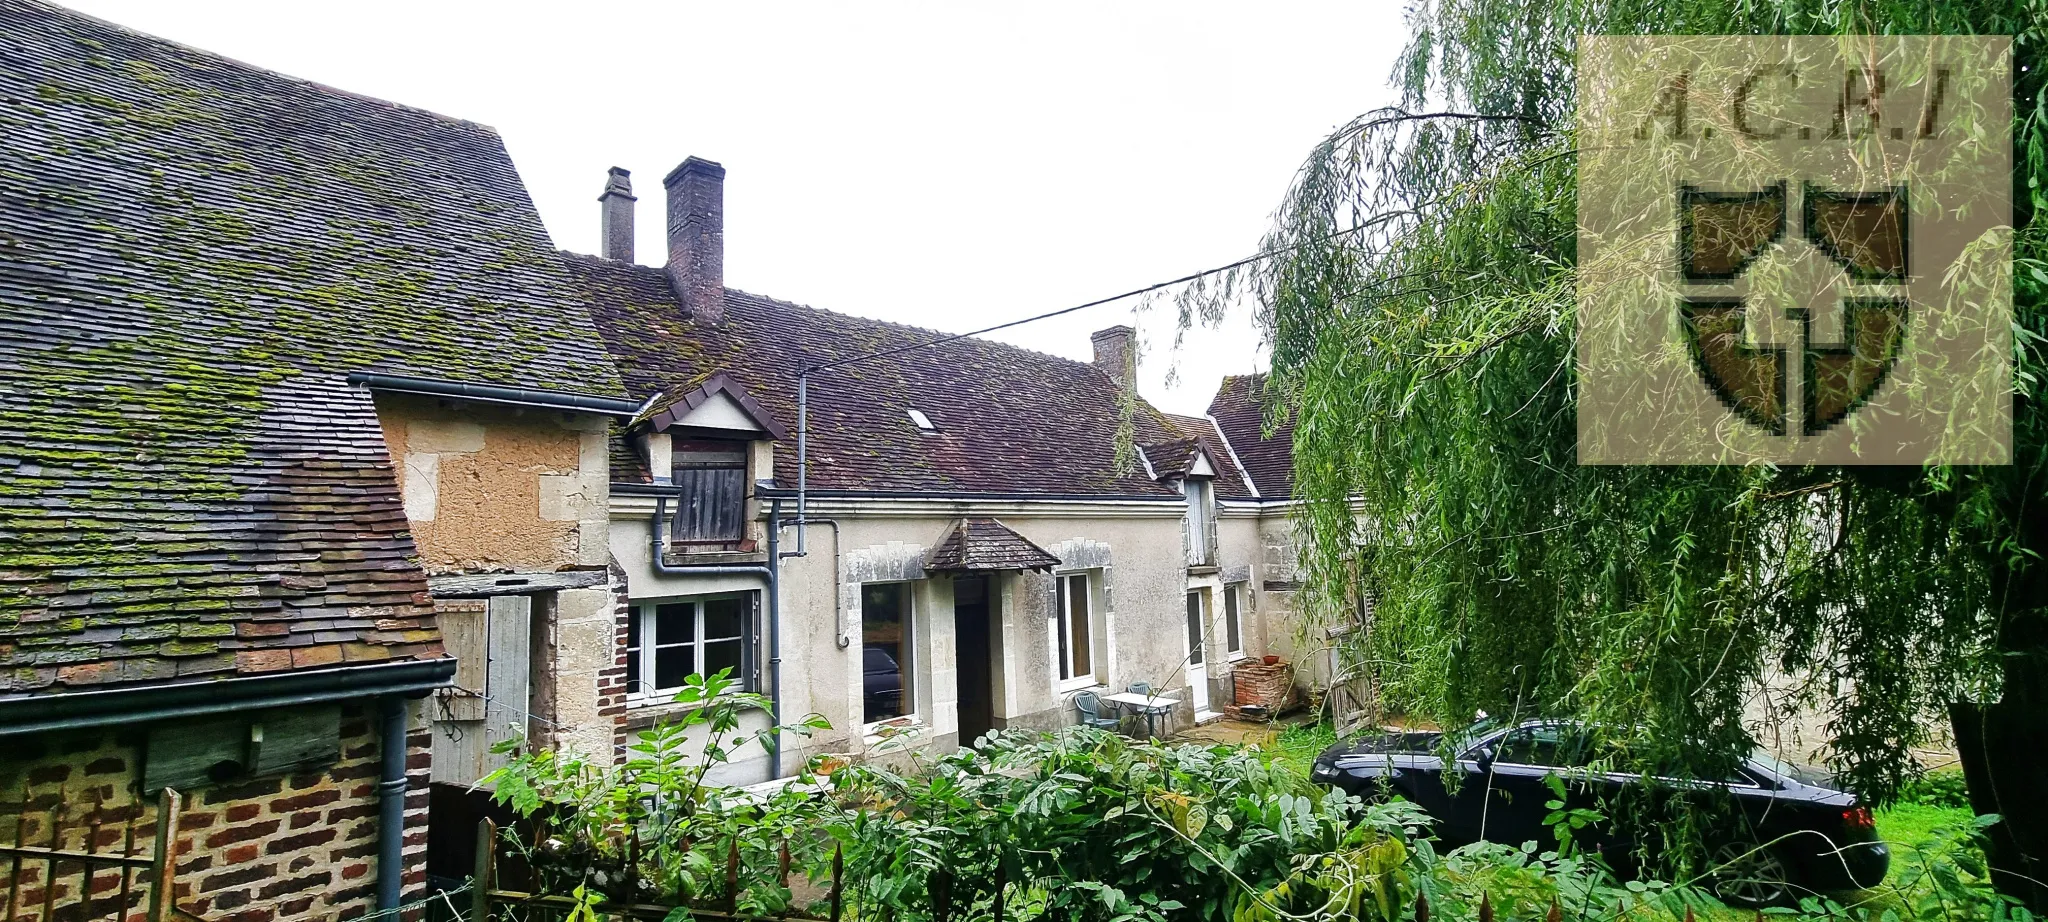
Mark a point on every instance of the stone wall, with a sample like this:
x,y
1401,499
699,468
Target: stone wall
x,y
491,488
278,849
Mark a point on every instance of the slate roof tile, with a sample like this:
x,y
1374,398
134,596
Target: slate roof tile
x,y
1008,420
977,544
1239,410
193,255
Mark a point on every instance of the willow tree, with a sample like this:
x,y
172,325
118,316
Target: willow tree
x,y
1420,311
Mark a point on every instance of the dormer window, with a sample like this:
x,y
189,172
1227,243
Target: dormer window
x,y
1201,494
923,422
710,476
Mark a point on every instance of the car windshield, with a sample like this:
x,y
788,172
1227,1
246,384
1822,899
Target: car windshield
x,y
1804,774
1461,740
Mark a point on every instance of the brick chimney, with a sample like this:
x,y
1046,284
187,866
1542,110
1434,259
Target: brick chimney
x,y
1113,353
617,205
696,238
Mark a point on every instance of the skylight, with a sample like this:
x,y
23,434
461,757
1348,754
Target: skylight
x,y
923,422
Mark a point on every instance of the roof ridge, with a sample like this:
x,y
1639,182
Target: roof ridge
x,y
896,325
256,68
996,343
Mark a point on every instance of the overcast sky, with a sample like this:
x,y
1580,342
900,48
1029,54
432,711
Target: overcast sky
x,y
949,166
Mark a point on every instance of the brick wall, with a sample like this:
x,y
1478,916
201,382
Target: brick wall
x,y
611,682
295,847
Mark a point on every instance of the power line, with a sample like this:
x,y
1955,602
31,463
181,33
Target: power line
x,y
849,360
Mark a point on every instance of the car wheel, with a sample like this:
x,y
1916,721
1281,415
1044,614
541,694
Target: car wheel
x,y
1750,876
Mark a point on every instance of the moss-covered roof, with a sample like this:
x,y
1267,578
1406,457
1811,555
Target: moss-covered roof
x,y
193,253
1007,420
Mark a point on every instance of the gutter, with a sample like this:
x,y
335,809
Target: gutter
x,y
766,490
492,393
657,543
79,710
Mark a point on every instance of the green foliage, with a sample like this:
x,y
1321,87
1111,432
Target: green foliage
x,y
1420,310
1086,826
1936,789
651,829
1090,826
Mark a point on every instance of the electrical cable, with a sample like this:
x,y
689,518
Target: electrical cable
x,y
849,360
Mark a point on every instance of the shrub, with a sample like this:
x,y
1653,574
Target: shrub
x,y
1936,789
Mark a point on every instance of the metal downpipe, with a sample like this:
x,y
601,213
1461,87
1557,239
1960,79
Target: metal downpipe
x,y
774,631
391,787
803,461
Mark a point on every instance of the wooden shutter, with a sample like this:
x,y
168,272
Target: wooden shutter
x,y
509,677
712,503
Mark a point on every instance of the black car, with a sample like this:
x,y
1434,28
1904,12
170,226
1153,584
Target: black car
x,y
1790,835
881,684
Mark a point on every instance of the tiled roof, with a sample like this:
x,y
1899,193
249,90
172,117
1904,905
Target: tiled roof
x,y
675,404
986,544
1008,420
1239,410
1230,481
193,254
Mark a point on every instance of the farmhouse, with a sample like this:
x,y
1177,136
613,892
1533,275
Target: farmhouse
x,y
233,300
926,538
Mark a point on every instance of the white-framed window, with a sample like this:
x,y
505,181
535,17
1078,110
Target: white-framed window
x,y
1201,494
666,642
1074,604
1233,619
886,634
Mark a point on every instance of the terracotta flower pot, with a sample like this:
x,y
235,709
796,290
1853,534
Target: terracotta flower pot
x,y
1272,660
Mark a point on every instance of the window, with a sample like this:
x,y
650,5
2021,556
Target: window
x,y
1195,652
886,689
711,486
1233,619
1201,513
666,642
1076,629
1548,746
923,422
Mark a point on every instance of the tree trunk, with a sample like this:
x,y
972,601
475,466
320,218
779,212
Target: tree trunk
x,y
2003,745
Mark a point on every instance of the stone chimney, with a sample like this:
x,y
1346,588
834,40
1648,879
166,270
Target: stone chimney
x,y
617,205
1113,353
696,238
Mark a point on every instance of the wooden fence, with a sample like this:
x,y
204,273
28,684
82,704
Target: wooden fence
x,y
55,874
490,903
488,900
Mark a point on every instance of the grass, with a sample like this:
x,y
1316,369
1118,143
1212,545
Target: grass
x,y
1297,746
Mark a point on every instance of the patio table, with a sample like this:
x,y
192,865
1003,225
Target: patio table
x,y
1149,705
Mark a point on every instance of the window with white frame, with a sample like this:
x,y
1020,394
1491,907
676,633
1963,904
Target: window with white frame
x,y
1073,605
1233,618
666,642
1201,517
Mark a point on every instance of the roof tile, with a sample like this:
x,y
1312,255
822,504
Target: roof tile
x,y
193,254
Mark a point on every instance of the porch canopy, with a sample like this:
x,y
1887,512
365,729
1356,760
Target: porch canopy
x,y
986,544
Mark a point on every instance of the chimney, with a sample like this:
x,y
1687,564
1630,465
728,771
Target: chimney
x,y
696,238
617,205
1113,353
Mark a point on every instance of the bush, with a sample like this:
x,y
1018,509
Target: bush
x,y
1091,826
1086,826
1943,788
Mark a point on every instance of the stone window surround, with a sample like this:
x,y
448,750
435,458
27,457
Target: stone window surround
x,y
1097,675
